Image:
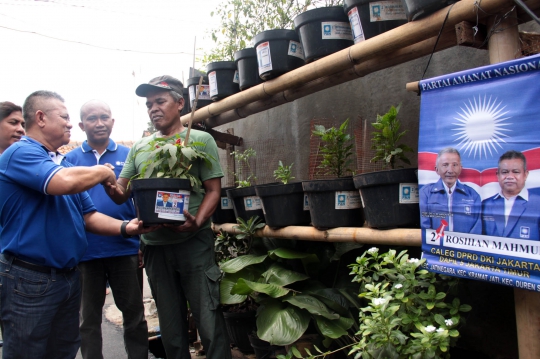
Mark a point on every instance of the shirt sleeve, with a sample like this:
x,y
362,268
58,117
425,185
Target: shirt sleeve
x,y
215,171
129,169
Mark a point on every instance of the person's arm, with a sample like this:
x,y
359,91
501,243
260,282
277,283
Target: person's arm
x,y
71,180
118,192
209,204
99,223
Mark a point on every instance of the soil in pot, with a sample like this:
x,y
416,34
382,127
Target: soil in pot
x,y
334,203
204,96
246,203
161,200
284,204
390,198
223,79
248,70
323,31
239,326
278,51
369,19
225,211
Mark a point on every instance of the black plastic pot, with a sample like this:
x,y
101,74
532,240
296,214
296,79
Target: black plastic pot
x,y
204,96
390,198
248,70
369,19
221,77
263,349
225,210
284,204
334,203
246,203
187,104
239,327
416,9
278,51
323,31
148,192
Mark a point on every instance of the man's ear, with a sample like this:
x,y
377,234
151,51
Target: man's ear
x,y
39,118
181,104
81,126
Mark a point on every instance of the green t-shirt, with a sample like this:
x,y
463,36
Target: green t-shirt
x,y
199,169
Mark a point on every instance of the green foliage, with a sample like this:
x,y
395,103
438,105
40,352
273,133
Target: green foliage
x,y
409,314
241,20
386,137
283,173
336,148
243,159
171,158
228,246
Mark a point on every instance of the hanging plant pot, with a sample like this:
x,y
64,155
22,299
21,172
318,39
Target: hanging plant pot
x,y
278,51
204,96
369,19
390,198
248,71
187,104
334,203
416,9
246,203
161,200
323,31
239,326
225,211
284,204
223,79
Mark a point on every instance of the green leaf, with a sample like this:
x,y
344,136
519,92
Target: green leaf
x,y
245,287
281,276
236,264
188,152
312,305
333,328
280,324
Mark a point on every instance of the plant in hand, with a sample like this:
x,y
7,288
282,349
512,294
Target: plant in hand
x,y
336,148
243,159
283,173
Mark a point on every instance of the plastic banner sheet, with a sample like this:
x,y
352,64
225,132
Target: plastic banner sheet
x,y
479,173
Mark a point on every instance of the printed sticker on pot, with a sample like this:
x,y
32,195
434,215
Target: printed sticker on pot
x,y
263,57
408,193
296,49
252,203
356,25
306,202
226,203
386,10
236,77
204,95
171,205
334,30
347,200
212,80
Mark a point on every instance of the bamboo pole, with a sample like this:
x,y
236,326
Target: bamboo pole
x,y
398,237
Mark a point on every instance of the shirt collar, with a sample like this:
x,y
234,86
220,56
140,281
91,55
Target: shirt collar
x,y
111,147
523,194
56,157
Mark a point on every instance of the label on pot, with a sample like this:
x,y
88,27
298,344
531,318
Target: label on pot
x,y
236,77
296,49
356,25
226,203
263,57
212,80
171,205
204,95
251,203
347,200
306,202
336,30
408,193
386,10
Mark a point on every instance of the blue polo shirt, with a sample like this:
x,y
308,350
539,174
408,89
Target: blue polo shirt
x,y
106,246
38,227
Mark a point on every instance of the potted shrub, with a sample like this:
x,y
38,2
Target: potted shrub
x,y
334,202
246,203
390,197
284,203
161,190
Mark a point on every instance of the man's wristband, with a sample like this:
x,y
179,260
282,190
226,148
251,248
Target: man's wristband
x,y
123,231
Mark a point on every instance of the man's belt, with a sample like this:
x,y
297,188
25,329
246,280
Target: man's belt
x,y
36,267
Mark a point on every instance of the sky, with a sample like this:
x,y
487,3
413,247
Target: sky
x,y
100,49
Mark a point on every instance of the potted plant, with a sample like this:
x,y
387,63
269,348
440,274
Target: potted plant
x,y
334,202
279,196
162,189
390,197
245,201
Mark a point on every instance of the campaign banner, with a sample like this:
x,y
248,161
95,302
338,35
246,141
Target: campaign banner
x,y
479,173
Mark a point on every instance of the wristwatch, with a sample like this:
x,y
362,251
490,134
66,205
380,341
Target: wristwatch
x,y
123,231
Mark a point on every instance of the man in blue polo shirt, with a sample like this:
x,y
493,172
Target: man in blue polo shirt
x,y
113,259
44,211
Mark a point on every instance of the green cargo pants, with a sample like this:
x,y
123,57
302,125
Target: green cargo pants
x,y
181,273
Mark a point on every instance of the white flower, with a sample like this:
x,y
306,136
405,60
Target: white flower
x,y
448,322
440,330
430,328
413,260
379,301
373,250
398,286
